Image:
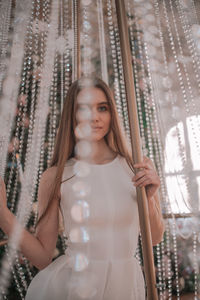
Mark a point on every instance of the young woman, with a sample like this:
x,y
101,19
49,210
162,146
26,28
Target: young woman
x,y
99,262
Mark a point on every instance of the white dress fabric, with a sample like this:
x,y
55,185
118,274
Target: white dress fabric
x,y
111,270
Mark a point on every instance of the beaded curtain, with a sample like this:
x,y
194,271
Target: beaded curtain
x,y
37,66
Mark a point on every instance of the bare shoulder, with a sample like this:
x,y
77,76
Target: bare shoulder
x,y
48,176
46,186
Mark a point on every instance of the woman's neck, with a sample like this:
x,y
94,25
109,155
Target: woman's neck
x,y
101,153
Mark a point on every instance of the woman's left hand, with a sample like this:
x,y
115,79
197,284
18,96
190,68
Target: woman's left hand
x,y
147,177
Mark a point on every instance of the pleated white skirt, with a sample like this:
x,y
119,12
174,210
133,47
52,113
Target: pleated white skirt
x,y
120,279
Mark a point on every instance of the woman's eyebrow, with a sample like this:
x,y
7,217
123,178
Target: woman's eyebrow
x,y
104,102
88,104
99,103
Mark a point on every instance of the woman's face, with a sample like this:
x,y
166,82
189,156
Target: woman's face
x,y
93,114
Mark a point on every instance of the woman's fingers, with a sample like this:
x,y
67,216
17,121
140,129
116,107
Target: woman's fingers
x,y
140,181
144,175
146,164
147,177
145,183
141,165
139,175
145,180
148,173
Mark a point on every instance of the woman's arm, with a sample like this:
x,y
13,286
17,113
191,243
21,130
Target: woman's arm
x,y
37,249
148,178
156,219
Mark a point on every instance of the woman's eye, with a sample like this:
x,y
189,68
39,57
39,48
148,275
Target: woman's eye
x,y
102,108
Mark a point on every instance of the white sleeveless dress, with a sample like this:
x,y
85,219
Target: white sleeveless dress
x,y
99,262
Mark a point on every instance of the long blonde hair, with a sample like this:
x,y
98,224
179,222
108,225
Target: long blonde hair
x,y
65,139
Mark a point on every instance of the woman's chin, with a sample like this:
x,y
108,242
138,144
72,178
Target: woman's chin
x,y
94,138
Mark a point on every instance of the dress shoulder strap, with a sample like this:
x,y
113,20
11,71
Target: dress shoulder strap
x,y
125,166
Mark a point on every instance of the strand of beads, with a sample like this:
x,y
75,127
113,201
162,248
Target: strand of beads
x,y
167,261
195,13
41,110
122,89
68,33
187,31
196,66
41,154
8,101
194,108
25,83
87,67
159,272
143,80
175,257
172,98
74,6
195,264
51,130
119,87
45,11
5,13
27,190
156,153
34,52
169,91
152,67
136,66
149,115
7,267
153,121
122,84
61,50
73,36
189,40
179,143
80,210
114,59
42,37
181,81
20,26
190,9
163,266
43,40
37,34
23,102
193,121
169,274
43,15
68,49
14,178
53,111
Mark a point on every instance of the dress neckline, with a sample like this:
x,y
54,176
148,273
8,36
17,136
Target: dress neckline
x,y
100,165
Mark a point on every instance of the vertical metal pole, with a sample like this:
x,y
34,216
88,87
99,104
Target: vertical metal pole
x,y
77,54
136,150
102,46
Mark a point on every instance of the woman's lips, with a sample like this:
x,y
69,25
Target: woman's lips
x,y
96,128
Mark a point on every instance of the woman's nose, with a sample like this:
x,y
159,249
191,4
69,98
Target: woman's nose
x,y
94,115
